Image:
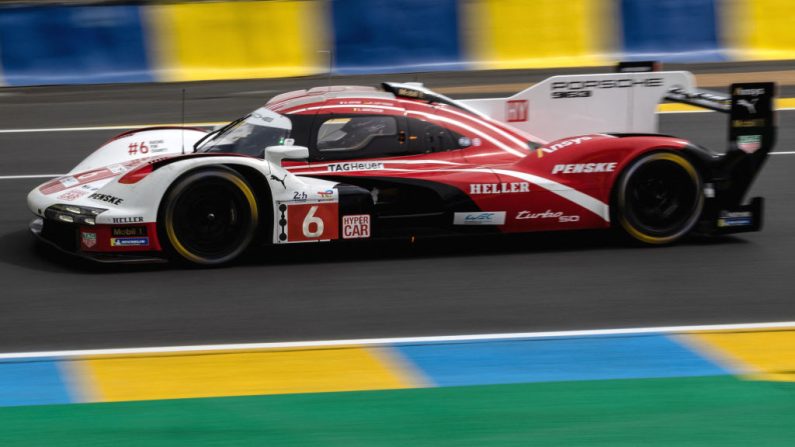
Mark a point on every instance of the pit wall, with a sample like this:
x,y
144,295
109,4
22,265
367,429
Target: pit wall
x,y
265,39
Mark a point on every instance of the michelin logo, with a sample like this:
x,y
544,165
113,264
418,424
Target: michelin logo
x,y
129,241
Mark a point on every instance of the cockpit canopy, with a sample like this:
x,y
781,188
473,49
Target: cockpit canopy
x,y
249,135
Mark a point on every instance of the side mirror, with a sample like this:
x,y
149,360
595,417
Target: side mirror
x,y
275,154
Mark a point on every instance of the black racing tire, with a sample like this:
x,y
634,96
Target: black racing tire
x,y
208,217
659,198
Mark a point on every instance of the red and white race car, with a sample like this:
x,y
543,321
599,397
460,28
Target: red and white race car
x,y
346,162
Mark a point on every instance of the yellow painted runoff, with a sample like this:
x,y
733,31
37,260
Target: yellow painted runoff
x,y
505,34
761,29
209,374
236,40
769,354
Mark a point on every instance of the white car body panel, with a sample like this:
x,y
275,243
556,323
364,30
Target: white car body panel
x,y
139,202
145,143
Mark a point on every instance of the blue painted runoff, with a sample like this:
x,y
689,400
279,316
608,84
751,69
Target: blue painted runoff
x,y
557,359
32,382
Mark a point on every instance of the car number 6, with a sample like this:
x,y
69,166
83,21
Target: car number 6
x,y
312,219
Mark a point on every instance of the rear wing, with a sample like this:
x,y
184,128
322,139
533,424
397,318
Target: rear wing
x,y
626,102
567,105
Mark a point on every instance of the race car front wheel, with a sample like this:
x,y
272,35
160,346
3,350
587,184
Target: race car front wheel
x,y
659,198
209,217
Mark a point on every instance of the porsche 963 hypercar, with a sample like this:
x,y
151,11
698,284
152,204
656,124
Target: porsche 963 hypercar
x,y
399,160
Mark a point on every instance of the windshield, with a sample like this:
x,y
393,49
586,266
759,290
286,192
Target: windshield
x,y
250,135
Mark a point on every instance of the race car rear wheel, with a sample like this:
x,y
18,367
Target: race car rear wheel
x,y
659,198
209,217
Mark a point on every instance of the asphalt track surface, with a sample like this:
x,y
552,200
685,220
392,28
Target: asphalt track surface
x,y
555,281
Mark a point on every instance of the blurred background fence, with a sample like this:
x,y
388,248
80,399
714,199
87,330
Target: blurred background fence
x,y
101,42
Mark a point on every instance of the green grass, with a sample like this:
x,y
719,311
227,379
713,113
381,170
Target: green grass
x,y
649,412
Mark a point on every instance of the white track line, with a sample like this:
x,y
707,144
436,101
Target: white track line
x,y
396,340
98,128
18,177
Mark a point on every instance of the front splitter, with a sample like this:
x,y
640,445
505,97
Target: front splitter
x,y
37,225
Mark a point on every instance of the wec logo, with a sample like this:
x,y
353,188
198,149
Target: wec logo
x,y
480,218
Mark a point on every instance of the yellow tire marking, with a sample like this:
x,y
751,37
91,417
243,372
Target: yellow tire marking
x,y
634,232
174,240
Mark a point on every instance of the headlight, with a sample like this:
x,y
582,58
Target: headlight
x,y
73,214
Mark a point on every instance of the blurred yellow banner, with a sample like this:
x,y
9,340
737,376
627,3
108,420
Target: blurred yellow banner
x,y
759,29
238,40
534,34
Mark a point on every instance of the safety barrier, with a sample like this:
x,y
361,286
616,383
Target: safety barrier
x,y
65,44
59,44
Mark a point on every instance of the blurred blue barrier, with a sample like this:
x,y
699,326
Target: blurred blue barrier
x,y
396,35
167,42
670,30
73,45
